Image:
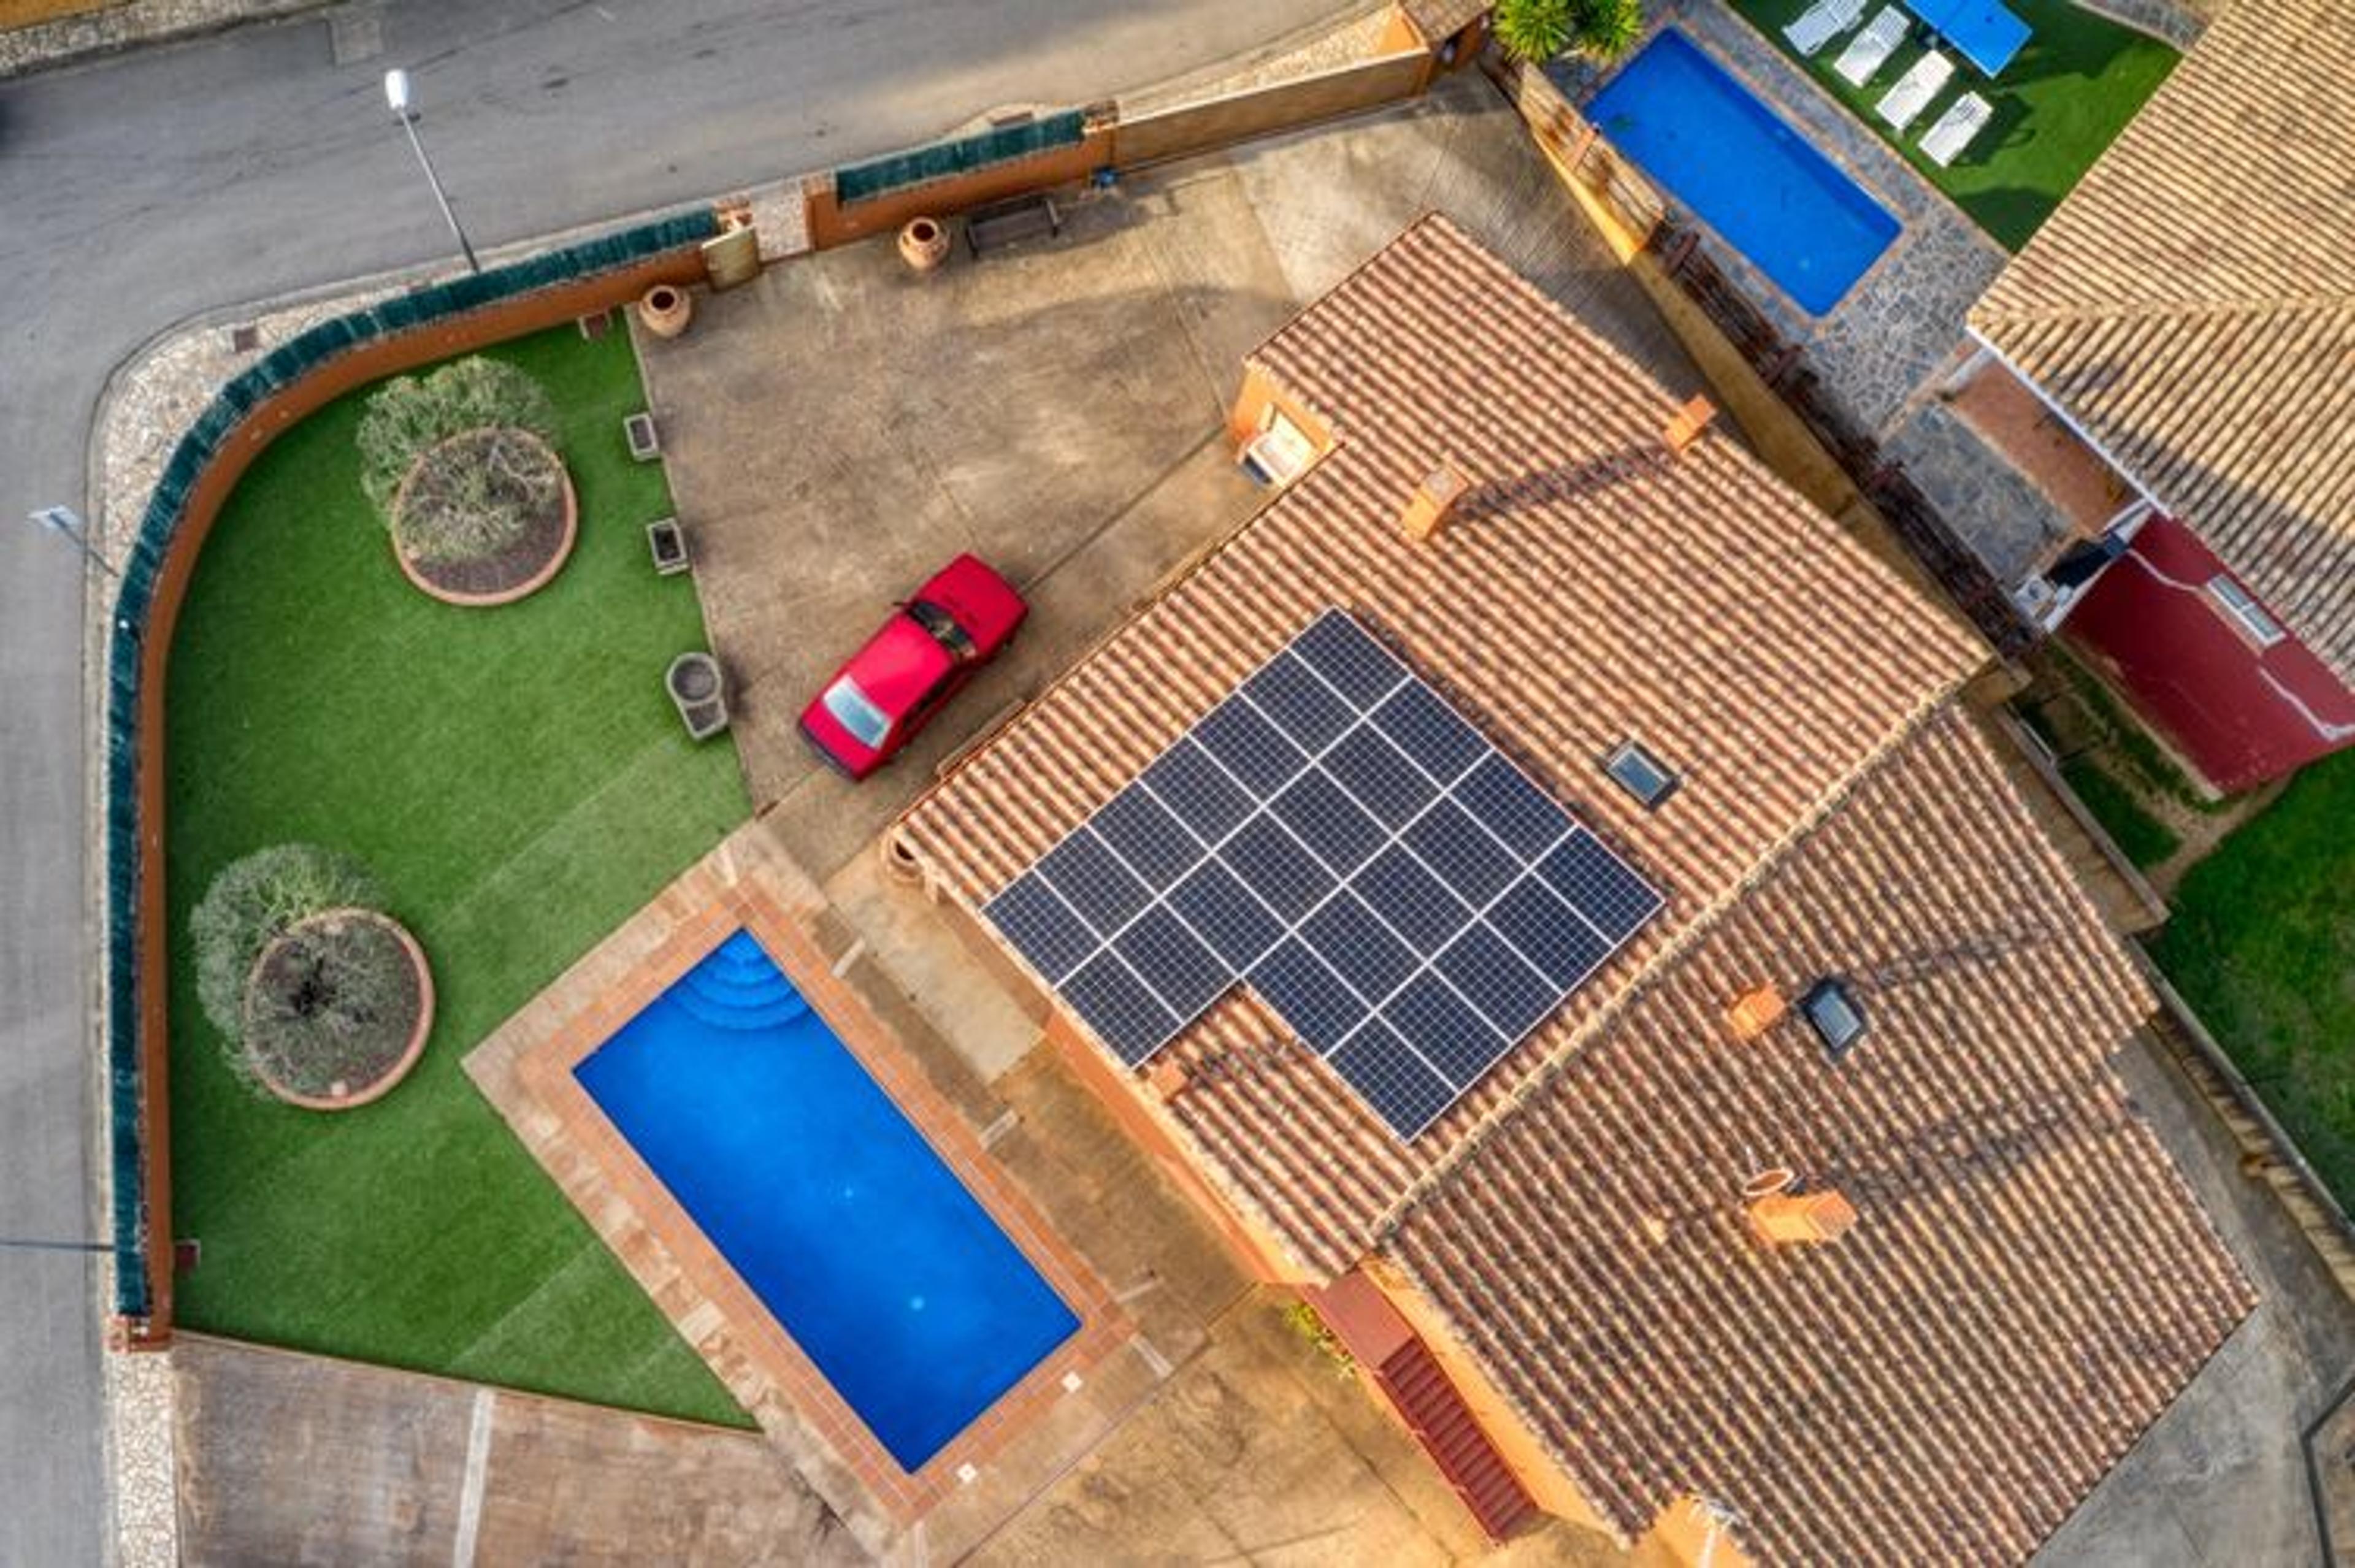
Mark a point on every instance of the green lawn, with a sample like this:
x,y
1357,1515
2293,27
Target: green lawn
x,y
518,779
2140,836
2070,90
2262,944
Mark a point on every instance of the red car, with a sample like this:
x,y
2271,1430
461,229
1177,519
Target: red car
x,y
876,703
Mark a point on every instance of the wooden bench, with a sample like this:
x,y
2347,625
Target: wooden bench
x,y
1004,222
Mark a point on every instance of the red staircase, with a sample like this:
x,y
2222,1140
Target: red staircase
x,y
1411,1377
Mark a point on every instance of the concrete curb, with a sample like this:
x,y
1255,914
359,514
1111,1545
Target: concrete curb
x,y
75,41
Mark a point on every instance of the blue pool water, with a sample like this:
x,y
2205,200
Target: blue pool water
x,y
827,1200
1748,174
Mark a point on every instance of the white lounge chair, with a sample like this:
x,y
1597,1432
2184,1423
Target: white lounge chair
x,y
1869,50
1914,89
1957,128
1822,22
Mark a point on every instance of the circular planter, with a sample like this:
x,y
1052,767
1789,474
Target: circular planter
x,y
521,570
400,1054
923,243
666,309
1769,1182
694,677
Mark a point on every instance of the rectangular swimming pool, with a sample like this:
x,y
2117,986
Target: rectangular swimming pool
x,y
1744,171
827,1200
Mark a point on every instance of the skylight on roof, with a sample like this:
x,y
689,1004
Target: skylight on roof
x,y
1640,773
1834,1015
2243,607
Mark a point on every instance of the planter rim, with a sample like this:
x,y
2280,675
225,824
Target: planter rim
x,y
391,1077
530,585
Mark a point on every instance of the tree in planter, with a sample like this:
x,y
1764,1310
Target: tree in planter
x,y
486,434
305,1003
1537,30
331,1004
254,901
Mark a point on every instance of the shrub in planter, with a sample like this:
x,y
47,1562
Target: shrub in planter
x,y
254,901
320,999
333,1004
461,462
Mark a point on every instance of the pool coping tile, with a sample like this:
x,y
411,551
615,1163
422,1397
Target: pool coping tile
x,y
525,1070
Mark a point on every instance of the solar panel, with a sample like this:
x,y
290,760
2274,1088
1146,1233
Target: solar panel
x,y
1338,837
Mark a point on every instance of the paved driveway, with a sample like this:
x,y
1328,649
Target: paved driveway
x,y
840,428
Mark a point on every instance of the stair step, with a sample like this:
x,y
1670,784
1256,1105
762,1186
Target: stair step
x,y
1417,1387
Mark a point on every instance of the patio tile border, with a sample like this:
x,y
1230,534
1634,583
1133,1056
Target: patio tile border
x,y
525,1069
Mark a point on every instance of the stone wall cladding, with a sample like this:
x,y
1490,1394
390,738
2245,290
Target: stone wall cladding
x,y
2179,21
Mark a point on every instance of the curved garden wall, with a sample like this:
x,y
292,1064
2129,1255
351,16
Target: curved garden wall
x,y
247,414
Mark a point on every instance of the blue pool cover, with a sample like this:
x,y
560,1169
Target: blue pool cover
x,y
1744,171
827,1200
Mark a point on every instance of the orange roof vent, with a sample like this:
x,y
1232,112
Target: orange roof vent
x,y
1434,502
1690,421
1168,1078
1756,1010
1780,1215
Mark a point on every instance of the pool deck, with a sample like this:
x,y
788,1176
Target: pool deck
x,y
1885,348
526,1070
1898,326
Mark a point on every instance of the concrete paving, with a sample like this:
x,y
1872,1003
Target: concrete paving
x,y
298,1459
142,189
840,428
2220,1481
1263,1450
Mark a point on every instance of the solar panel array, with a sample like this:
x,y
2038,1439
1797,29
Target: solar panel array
x,y
1340,837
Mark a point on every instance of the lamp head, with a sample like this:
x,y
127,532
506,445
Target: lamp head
x,y
396,93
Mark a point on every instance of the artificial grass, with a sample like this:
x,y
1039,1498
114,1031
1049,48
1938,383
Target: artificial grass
x,y
519,780
2072,89
2262,944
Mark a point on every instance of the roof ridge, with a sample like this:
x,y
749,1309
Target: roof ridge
x,y
1993,318
1664,962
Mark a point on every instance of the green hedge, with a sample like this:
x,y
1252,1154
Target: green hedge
x,y
963,155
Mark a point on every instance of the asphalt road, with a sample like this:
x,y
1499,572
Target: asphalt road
x,y
139,191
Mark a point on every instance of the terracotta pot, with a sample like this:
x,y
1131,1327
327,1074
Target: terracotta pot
x,y
924,244
666,309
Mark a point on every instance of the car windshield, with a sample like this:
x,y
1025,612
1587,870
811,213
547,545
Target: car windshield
x,y
941,627
856,713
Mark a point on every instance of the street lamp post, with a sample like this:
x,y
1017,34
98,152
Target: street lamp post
x,y
67,523
396,96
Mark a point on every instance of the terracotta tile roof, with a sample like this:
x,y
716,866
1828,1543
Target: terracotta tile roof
x,y
1696,603
2028,1284
2192,304
1439,19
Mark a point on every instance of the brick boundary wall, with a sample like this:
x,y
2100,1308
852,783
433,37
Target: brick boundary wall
x,y
1114,138
1220,120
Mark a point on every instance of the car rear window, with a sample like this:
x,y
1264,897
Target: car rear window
x,y
942,628
855,711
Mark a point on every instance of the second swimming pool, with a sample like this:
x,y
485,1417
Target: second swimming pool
x,y
1744,171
